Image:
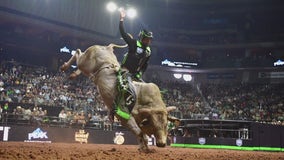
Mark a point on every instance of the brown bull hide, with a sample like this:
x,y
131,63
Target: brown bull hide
x,y
150,111
100,64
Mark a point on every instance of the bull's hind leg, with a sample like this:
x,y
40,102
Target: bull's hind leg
x,y
67,64
64,67
141,138
75,74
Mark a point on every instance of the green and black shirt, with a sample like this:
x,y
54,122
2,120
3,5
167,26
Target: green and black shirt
x,y
136,60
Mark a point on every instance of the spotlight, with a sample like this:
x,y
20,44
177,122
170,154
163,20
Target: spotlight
x,y
187,77
177,75
131,13
111,6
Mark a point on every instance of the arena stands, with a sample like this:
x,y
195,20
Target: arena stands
x,y
34,94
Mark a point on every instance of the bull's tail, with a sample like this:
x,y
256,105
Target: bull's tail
x,y
118,46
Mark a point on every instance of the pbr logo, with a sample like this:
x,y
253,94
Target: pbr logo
x,y
119,138
239,142
201,141
37,134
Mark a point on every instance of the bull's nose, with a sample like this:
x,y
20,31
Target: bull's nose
x,y
161,145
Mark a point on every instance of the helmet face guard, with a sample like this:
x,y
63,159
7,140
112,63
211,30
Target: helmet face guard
x,y
145,34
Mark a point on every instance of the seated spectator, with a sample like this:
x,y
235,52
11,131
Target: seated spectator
x,y
62,116
81,119
96,117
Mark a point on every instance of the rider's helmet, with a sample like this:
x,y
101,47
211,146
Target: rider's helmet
x,y
145,34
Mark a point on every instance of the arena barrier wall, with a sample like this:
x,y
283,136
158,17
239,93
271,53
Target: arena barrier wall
x,y
62,135
255,135
250,135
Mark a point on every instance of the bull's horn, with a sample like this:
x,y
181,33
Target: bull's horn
x,y
171,108
148,110
152,110
172,118
118,46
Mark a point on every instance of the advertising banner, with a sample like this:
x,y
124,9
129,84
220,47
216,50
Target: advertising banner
x,y
271,75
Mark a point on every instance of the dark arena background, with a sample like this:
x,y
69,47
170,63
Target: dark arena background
x,y
220,62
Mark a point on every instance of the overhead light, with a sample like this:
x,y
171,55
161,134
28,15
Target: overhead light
x,y
120,9
177,75
187,77
111,6
131,12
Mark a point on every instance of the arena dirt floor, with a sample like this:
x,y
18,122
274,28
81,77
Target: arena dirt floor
x,y
74,151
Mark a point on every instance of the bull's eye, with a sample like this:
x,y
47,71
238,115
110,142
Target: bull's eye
x,y
144,123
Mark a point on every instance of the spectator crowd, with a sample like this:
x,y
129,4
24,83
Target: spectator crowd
x,y
78,100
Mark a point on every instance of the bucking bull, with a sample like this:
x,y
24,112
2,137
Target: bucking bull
x,y
149,115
